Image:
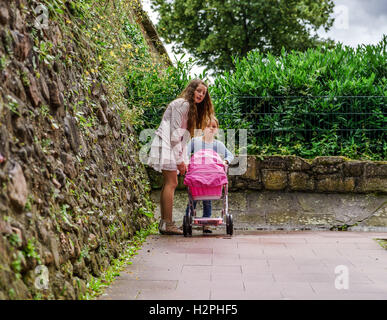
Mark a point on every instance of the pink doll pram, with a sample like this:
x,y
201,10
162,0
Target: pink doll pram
x,y
206,178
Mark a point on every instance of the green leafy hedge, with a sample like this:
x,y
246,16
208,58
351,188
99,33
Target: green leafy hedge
x,y
318,102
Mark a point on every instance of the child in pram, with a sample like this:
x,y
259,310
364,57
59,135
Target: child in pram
x,y
207,141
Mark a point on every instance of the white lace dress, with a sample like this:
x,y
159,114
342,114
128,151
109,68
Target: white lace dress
x,y
168,147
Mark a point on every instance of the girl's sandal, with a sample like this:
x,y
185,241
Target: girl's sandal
x,y
169,228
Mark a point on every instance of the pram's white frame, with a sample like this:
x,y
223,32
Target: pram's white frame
x,y
190,220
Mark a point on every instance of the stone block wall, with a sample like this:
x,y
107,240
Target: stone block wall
x,y
291,173
321,175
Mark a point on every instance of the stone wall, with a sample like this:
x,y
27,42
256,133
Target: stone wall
x,y
71,183
287,192
291,173
321,175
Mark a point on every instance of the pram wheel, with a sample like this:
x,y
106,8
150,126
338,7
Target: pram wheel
x,y
187,227
229,224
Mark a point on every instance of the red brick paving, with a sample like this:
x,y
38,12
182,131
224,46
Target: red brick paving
x,y
255,265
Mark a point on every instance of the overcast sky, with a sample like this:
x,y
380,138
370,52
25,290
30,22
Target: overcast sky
x,y
357,22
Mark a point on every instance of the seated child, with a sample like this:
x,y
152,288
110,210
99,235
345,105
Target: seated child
x,y
207,141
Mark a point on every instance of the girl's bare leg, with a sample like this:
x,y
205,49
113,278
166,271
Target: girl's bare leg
x,y
166,225
167,194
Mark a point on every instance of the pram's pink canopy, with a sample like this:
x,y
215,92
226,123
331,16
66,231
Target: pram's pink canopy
x,y
206,168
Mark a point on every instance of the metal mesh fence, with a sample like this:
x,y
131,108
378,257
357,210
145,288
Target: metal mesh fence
x,y
308,116
359,121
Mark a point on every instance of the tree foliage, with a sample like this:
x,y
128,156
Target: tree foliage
x,y
214,31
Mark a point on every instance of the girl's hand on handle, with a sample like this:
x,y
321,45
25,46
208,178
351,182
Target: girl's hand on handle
x,y
182,167
225,162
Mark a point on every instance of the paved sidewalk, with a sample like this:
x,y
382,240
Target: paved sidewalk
x,y
256,265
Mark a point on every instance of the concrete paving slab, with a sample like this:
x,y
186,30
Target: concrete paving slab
x,y
256,265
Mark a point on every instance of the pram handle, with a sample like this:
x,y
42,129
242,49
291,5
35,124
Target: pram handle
x,y
225,165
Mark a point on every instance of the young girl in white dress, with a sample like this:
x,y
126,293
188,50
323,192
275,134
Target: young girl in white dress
x,y
168,149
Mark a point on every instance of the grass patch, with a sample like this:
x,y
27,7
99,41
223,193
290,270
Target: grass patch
x,y
382,243
97,285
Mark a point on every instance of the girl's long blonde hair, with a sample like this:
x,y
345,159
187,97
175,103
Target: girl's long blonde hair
x,y
198,114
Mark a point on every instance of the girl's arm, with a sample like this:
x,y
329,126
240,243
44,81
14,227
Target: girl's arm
x,y
228,156
179,109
